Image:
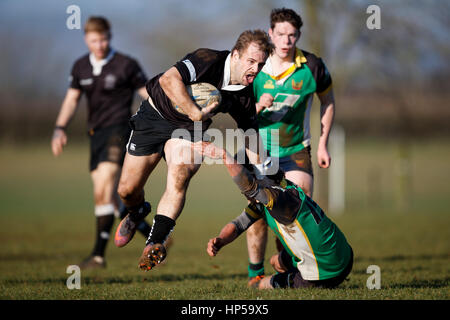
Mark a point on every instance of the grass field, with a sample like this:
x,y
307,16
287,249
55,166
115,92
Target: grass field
x,y
47,223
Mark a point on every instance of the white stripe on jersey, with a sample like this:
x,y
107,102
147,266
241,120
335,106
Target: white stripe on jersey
x,y
191,69
297,241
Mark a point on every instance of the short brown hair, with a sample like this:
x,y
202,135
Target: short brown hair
x,y
97,24
259,37
285,15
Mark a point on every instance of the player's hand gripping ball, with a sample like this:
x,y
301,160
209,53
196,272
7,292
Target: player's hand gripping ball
x,y
203,94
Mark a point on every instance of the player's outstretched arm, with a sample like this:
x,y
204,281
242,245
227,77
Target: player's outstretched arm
x,y
227,235
245,181
68,107
172,84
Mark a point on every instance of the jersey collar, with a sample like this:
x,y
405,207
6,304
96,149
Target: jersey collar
x,y
97,65
227,76
298,60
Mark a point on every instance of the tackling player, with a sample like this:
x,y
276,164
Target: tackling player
x,y
315,252
109,80
232,72
284,90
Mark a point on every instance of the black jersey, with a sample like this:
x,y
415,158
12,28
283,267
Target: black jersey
x,y
109,94
206,65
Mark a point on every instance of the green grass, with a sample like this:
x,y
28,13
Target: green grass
x,y
47,224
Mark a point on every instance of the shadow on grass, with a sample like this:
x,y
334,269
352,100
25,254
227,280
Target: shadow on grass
x,y
420,284
414,284
98,279
400,257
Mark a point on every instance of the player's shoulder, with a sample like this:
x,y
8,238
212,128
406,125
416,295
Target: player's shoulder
x,y
82,61
311,58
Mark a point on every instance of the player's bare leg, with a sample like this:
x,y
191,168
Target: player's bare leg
x,y
256,245
135,172
172,202
179,175
303,180
104,179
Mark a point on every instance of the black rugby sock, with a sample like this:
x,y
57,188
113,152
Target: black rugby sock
x,y
139,212
162,227
104,225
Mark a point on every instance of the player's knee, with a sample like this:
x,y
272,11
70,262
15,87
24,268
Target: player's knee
x,y
126,191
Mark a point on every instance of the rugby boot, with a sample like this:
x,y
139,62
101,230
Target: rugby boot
x,y
152,255
253,282
127,227
93,262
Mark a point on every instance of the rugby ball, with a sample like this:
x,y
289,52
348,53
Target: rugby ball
x,y
203,94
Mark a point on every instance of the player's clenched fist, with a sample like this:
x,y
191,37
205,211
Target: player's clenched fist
x,y
265,101
214,246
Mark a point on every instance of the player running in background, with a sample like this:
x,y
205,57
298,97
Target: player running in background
x,y
315,252
109,80
284,90
230,72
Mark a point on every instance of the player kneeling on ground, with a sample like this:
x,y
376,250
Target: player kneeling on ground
x,y
316,253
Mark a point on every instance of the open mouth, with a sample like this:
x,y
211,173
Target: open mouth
x,y
250,78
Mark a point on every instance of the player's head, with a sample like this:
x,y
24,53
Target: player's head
x,y
284,31
97,35
249,55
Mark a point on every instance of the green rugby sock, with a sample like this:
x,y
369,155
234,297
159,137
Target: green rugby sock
x,y
255,269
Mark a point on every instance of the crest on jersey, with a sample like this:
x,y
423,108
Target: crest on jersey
x,y
297,85
269,84
110,81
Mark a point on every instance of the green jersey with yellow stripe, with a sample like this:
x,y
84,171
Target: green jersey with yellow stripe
x,y
318,248
284,126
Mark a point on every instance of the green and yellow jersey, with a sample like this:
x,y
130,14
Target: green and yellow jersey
x,y
318,248
284,126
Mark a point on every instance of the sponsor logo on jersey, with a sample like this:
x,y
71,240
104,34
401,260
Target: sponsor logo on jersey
x,y
297,85
269,85
86,82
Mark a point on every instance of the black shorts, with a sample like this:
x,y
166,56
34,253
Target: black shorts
x,y
150,132
108,144
293,278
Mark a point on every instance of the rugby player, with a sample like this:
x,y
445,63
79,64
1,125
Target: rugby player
x,y
284,90
109,79
315,252
232,72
